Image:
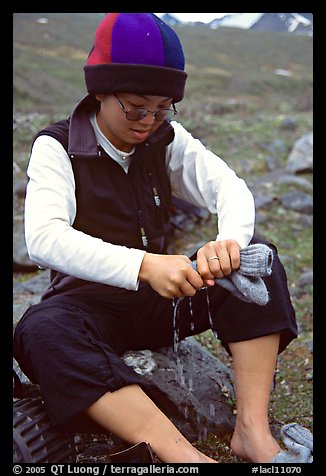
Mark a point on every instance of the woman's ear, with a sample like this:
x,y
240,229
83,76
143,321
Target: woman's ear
x,y
100,97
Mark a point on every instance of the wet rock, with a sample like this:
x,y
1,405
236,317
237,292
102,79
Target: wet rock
x,y
190,385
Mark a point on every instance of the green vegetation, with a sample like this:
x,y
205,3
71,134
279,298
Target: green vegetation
x,y
236,104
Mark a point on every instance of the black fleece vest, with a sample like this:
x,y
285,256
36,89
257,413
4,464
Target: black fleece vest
x,y
130,209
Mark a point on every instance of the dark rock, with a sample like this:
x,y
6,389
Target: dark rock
x,y
28,267
20,189
191,386
27,293
95,453
290,124
310,345
306,279
263,200
298,201
21,261
306,221
35,285
23,387
289,179
272,162
275,148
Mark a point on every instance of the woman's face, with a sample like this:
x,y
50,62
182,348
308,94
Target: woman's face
x,y
120,131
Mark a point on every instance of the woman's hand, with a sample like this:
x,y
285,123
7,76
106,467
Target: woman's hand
x,y
170,275
217,259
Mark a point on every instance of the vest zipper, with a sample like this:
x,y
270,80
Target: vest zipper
x,y
156,197
142,229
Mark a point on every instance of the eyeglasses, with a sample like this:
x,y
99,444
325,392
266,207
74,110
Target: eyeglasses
x,y
139,113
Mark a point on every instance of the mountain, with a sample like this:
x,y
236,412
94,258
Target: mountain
x,y
236,20
171,19
297,23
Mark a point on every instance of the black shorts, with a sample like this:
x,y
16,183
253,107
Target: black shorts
x,y
71,345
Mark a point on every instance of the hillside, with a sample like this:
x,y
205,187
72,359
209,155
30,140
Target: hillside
x,y
49,53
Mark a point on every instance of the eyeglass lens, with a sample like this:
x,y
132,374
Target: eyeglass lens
x,y
137,114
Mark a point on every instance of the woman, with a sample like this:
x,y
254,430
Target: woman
x,y
97,214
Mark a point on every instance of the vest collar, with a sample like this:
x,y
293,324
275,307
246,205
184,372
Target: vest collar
x,y
82,141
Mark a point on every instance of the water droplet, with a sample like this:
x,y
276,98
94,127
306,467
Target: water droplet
x,y
191,384
209,314
175,303
209,308
192,322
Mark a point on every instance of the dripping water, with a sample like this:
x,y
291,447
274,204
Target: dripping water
x,y
209,313
192,322
175,303
179,366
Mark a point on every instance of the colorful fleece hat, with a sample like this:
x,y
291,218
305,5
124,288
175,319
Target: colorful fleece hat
x,y
136,53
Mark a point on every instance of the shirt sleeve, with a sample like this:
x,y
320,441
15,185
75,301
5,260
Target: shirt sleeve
x,y
51,240
204,179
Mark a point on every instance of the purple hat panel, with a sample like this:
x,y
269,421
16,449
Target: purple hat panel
x,y
136,39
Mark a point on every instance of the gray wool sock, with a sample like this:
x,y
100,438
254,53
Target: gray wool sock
x,y
299,443
246,288
297,454
256,260
299,434
246,283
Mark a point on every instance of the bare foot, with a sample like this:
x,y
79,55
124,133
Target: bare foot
x,y
188,454
254,445
207,459
202,458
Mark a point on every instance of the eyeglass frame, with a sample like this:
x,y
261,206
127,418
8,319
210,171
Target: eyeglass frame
x,y
147,111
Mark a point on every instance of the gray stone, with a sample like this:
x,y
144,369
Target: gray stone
x,y
300,159
272,162
20,256
264,200
190,385
306,278
290,124
298,201
289,179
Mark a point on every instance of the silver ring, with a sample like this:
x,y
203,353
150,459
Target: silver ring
x,y
213,257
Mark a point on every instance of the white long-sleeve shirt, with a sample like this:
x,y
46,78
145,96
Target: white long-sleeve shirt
x,y
196,175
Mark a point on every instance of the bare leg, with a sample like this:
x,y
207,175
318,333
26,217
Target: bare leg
x,y
130,414
254,365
